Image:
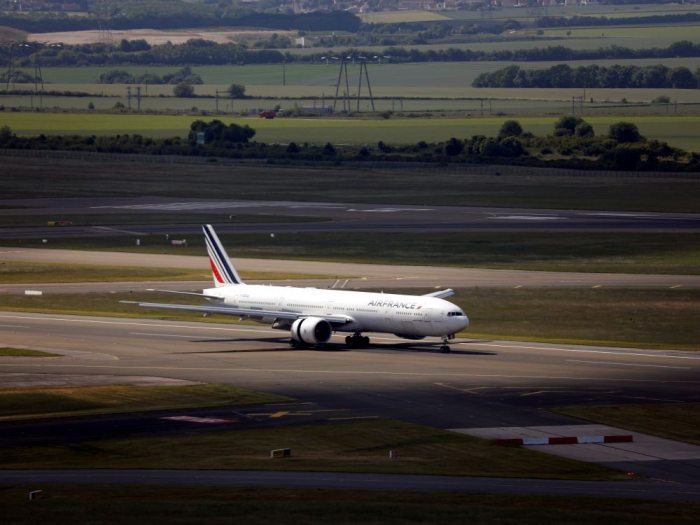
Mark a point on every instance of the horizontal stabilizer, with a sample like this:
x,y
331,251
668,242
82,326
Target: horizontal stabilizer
x,y
441,294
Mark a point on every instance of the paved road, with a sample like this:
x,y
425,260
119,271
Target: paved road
x,y
376,275
636,489
481,384
333,217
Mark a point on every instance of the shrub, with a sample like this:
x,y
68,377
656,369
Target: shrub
x,y
625,132
183,90
510,128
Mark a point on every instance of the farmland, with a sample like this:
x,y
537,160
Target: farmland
x,y
521,13
678,131
676,32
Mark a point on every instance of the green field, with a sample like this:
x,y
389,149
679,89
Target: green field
x,y
10,33
601,33
329,447
23,352
676,421
596,252
428,75
19,273
395,17
51,178
680,131
664,319
74,401
146,218
118,504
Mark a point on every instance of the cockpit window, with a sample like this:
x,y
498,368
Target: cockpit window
x,y
454,314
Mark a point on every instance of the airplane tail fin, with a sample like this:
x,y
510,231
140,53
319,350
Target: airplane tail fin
x,y
224,272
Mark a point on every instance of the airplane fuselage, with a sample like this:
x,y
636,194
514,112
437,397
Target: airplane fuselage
x,y
408,315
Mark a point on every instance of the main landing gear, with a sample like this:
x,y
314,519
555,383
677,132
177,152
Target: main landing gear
x,y
444,349
357,341
297,345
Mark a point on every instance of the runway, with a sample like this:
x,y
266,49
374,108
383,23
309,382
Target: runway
x,y
357,275
481,384
332,217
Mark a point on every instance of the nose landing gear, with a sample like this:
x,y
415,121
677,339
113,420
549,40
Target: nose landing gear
x,y
357,341
445,349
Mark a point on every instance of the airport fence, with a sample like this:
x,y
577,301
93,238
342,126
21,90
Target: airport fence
x,y
384,166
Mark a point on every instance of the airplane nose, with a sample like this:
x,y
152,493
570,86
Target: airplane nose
x,y
465,322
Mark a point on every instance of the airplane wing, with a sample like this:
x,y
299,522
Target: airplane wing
x,y
441,294
243,312
205,296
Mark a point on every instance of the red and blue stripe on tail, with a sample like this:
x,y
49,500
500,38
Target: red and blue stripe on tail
x,y
224,272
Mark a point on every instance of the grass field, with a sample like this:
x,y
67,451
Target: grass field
x,y
19,273
43,402
396,17
677,421
50,178
146,218
679,131
23,352
12,34
116,505
677,32
650,318
596,252
453,75
135,217
329,447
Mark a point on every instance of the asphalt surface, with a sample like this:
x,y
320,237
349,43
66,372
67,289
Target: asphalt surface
x,y
623,489
357,275
333,217
481,384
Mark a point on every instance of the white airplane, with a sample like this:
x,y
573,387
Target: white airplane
x,y
312,314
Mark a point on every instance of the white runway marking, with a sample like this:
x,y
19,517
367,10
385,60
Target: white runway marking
x,y
357,373
626,364
12,326
529,217
183,336
583,351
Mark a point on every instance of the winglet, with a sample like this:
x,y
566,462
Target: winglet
x,y
221,267
441,294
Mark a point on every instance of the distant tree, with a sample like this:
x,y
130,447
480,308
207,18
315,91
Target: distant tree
x,y
183,90
217,131
584,129
328,149
115,76
510,128
364,152
236,91
293,148
625,132
454,147
91,105
661,99
5,133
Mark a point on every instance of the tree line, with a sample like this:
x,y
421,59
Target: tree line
x,y
117,76
588,21
572,144
198,51
593,76
180,15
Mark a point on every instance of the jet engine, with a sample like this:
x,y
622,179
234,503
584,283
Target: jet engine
x,y
312,330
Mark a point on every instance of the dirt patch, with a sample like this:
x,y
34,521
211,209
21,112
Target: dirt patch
x,y
154,36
